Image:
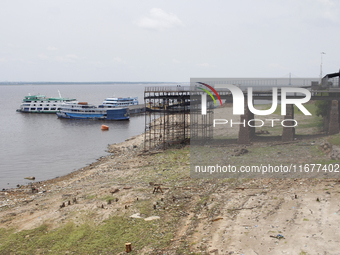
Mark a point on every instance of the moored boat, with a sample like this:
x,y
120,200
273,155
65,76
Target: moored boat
x,y
42,104
112,102
83,110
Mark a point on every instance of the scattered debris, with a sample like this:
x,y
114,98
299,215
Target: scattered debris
x,y
32,178
152,218
156,189
239,152
278,236
128,247
136,216
114,191
216,219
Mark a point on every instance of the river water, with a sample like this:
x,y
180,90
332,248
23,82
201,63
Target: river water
x,y
44,146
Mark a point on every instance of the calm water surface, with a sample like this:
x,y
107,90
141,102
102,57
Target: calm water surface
x,y
44,146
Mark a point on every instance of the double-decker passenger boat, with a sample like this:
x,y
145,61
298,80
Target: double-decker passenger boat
x,y
42,104
112,102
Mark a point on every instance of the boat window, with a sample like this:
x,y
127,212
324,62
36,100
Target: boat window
x,y
53,109
32,109
47,105
45,109
40,104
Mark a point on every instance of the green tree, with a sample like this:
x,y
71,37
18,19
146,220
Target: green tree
x,y
321,108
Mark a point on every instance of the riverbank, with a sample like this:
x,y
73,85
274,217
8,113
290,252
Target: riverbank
x,y
89,211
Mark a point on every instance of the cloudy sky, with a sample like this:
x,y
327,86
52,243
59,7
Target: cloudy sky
x,y
157,40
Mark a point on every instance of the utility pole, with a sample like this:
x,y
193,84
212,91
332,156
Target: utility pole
x,y
321,66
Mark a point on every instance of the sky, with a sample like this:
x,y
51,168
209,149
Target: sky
x,y
166,41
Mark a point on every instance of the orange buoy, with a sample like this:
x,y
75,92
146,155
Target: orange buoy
x,y
104,127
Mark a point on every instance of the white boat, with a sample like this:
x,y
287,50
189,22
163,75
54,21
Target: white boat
x,y
112,102
83,110
43,104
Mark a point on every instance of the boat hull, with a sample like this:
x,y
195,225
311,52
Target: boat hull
x,y
109,114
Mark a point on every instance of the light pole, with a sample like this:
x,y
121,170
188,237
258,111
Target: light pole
x,y
321,66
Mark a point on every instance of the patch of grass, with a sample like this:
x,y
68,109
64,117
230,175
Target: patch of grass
x,y
310,107
335,140
144,207
92,196
108,237
313,122
107,198
305,219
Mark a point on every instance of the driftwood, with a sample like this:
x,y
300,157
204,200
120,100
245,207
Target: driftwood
x,y
155,189
128,247
217,219
114,191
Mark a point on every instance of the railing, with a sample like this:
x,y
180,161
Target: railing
x,y
167,89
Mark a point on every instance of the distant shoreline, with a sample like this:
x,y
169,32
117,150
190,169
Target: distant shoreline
x,y
83,83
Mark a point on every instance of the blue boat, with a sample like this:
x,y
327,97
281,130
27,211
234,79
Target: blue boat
x,y
83,110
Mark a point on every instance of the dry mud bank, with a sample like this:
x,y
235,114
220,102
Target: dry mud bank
x,y
89,211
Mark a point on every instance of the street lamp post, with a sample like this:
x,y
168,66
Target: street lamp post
x,y
321,66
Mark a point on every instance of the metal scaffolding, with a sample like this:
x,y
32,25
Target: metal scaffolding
x,y
167,116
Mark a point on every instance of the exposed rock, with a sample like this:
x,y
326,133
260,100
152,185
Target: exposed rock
x,y
152,218
136,216
335,153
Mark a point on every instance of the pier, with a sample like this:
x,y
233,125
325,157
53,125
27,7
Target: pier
x,y
136,109
173,114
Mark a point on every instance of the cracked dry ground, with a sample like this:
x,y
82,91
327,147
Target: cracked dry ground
x,y
197,216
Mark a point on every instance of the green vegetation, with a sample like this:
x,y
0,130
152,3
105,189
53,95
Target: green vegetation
x,y
107,198
109,237
321,108
335,140
312,108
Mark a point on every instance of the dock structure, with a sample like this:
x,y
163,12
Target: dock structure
x,y
173,115
167,116
136,109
